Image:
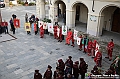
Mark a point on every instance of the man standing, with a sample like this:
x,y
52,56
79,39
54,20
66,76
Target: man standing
x,y
98,58
69,61
60,35
48,73
83,68
80,46
110,49
37,75
55,31
26,18
85,43
41,32
69,37
6,27
93,48
12,26
76,70
89,47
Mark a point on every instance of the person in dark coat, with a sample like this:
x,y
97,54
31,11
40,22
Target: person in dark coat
x,y
56,73
48,73
68,70
95,71
69,61
61,65
37,75
76,70
60,75
82,68
111,71
12,25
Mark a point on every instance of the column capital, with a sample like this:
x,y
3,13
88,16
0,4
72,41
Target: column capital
x,y
69,10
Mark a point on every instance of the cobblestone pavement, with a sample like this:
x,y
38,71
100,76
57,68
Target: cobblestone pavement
x,y
20,57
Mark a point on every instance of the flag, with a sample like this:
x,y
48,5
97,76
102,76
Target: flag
x,y
64,30
27,27
35,28
58,31
32,25
16,23
78,40
97,48
4,24
75,34
40,23
50,27
44,25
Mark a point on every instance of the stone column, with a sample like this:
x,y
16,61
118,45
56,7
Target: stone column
x,y
95,24
42,9
51,13
70,21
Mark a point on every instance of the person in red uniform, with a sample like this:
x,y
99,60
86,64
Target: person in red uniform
x,y
61,65
89,47
55,31
98,58
110,49
69,37
60,35
48,73
80,46
41,32
76,70
93,48
37,75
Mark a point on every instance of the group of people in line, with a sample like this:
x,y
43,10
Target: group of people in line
x,y
72,70
67,70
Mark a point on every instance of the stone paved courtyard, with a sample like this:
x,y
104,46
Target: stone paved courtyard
x,y
20,57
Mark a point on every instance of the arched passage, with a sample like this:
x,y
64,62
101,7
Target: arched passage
x,y
60,10
110,18
80,15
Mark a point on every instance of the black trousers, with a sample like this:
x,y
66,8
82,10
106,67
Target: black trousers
x,y
83,76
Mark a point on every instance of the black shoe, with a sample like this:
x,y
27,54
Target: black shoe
x,y
65,43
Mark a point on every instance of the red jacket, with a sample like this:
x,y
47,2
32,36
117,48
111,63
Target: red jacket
x,y
110,46
98,57
90,43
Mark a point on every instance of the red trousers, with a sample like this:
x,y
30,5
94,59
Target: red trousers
x,y
60,37
98,63
110,53
80,46
89,51
55,35
68,40
42,33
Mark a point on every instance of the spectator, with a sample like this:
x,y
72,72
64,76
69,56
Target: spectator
x,y
37,75
26,17
48,73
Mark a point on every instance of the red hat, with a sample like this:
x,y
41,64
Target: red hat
x,y
77,62
49,66
60,60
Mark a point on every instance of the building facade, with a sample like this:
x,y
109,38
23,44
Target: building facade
x,y
98,15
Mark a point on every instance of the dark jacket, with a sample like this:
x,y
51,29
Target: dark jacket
x,y
48,74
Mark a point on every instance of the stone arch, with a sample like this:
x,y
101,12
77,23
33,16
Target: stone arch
x,y
80,15
108,18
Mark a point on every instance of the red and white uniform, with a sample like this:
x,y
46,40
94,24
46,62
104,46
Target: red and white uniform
x,y
69,37
110,49
41,32
55,32
89,48
98,59
93,48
